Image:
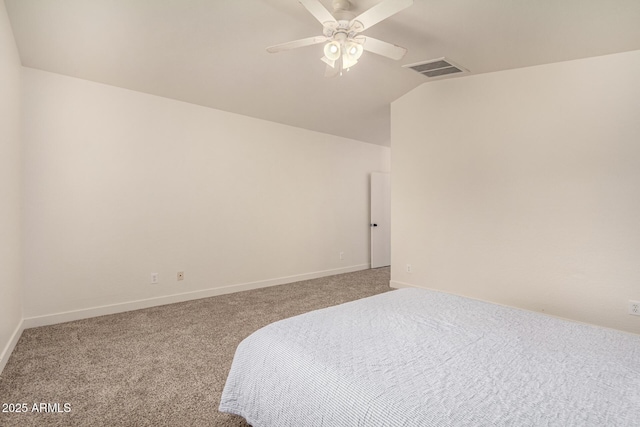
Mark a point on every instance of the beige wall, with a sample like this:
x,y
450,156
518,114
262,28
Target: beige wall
x,y
121,184
10,191
523,187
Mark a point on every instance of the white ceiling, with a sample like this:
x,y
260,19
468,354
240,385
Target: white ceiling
x,y
212,52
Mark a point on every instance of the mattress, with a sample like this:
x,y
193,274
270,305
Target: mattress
x,y
414,357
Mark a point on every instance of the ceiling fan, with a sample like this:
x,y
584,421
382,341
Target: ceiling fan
x,y
341,31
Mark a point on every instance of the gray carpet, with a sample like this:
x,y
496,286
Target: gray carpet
x,y
162,366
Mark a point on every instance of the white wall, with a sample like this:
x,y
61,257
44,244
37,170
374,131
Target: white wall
x,y
522,187
121,184
10,191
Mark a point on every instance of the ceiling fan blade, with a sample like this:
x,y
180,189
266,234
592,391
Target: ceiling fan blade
x,y
331,71
330,62
318,11
296,44
380,12
382,48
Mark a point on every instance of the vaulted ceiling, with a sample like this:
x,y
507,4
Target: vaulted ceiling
x,y
212,52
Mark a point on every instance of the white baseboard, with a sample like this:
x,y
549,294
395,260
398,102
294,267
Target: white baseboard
x,y
398,285
69,316
8,349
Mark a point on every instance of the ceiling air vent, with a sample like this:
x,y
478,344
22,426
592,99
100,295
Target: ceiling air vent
x,y
436,67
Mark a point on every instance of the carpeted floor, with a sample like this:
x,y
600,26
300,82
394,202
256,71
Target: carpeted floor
x,y
162,366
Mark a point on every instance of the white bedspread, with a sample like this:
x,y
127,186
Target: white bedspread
x,y
414,357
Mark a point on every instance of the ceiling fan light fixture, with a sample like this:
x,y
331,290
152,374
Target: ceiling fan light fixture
x,y
348,62
340,33
354,50
330,62
332,50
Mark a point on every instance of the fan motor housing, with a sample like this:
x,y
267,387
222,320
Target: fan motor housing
x,y
341,5
342,10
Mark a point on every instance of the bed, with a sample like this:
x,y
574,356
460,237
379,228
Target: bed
x,y
414,357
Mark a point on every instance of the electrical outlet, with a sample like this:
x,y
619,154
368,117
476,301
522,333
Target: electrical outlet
x,y
154,278
180,275
634,307
341,256
409,270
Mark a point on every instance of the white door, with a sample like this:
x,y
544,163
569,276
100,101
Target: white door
x,y
380,220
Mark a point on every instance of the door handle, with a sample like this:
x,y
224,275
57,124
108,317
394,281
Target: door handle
x,y
373,225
